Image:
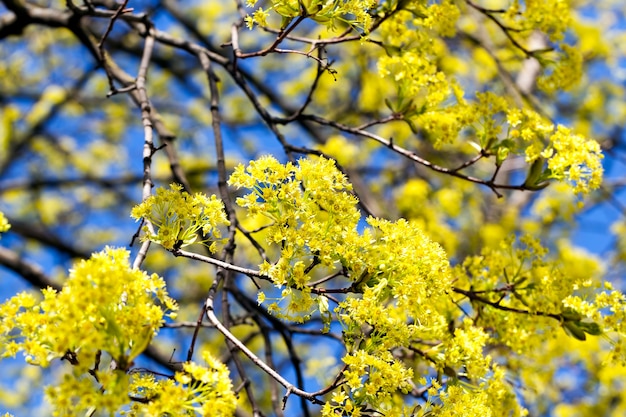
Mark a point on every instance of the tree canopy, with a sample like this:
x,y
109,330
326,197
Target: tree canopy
x,y
306,207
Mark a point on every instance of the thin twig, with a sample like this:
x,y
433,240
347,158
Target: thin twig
x,y
470,162
281,36
148,146
474,297
121,9
410,154
225,265
210,312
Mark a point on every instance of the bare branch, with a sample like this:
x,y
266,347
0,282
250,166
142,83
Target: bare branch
x,y
256,360
27,270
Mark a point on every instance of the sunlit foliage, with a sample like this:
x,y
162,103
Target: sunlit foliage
x,y
336,208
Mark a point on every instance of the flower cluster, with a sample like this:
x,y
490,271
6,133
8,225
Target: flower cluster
x,y
398,272
312,215
565,73
195,390
603,313
465,349
404,274
76,393
204,390
178,218
521,279
413,63
4,223
570,157
373,378
105,315
441,18
431,101
552,17
105,306
353,12
490,398
574,159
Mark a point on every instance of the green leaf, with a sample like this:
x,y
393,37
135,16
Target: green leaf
x,y
534,179
573,330
591,328
569,314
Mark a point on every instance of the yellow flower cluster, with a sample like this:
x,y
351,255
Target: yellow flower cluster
x,y
312,215
603,313
413,63
420,83
398,272
105,315
79,394
570,157
492,398
575,159
552,17
353,12
179,218
197,390
4,223
466,349
542,292
426,95
442,18
105,305
414,270
372,379
565,72
405,275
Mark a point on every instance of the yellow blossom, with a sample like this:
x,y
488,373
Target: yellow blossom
x,y
179,218
105,305
4,223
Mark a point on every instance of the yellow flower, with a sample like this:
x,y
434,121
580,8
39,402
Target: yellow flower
x,y
4,223
104,305
179,218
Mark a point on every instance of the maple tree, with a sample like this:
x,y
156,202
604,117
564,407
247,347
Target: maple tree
x,y
305,207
